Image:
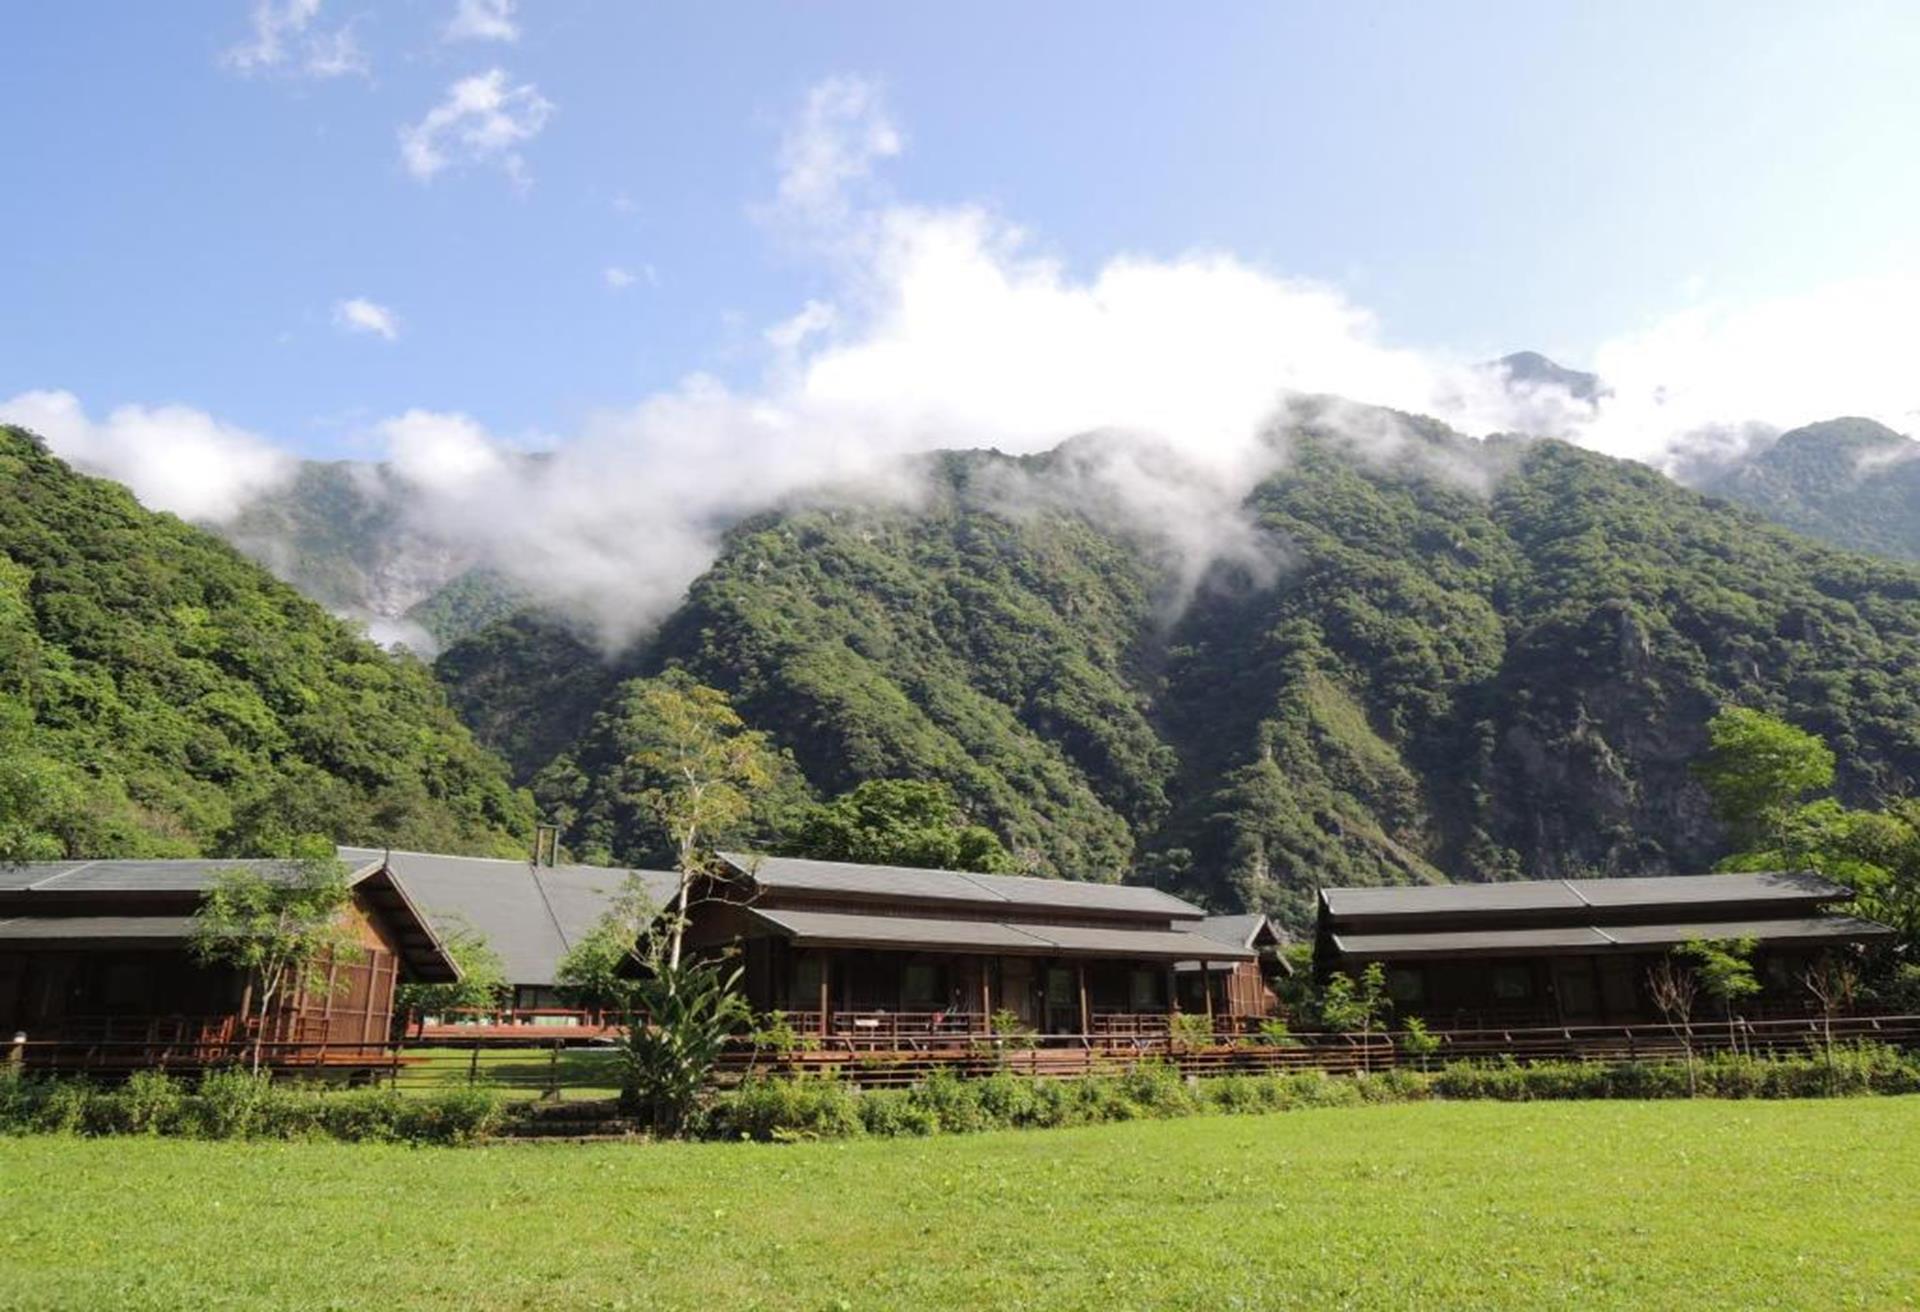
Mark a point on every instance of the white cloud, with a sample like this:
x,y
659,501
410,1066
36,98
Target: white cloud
x,y
616,277
482,120
172,457
360,315
842,131
482,20
950,327
1714,369
283,40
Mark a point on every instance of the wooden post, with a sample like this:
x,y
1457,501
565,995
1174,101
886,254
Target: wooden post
x,y
1086,1009
473,1064
826,968
986,994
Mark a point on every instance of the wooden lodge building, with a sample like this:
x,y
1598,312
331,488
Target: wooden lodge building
x,y
94,956
1576,951
886,952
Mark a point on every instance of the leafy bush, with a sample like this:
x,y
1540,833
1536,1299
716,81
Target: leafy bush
x,y
785,1109
233,1104
896,1113
1190,1029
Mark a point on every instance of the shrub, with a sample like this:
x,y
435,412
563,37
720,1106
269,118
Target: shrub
x,y
1275,1034
953,1102
896,1113
230,1103
1007,1100
1190,1029
1155,1088
785,1109
153,1102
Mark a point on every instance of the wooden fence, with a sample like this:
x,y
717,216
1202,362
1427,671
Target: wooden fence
x,y
560,1066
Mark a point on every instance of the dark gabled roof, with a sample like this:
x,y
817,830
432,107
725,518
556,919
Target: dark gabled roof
x,y
1241,930
183,875
1576,895
1245,930
70,885
1584,939
928,933
896,884
529,915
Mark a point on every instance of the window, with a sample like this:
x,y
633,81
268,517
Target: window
x,y
920,986
1512,983
805,995
1143,991
1406,985
127,984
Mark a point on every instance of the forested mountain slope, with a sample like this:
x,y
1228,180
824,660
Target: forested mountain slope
x,y
1479,660
162,695
1851,482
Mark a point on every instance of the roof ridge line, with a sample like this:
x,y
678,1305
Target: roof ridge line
x,y
42,883
974,878
546,903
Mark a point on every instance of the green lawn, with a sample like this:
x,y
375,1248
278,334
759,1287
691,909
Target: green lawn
x,y
1694,1205
587,1072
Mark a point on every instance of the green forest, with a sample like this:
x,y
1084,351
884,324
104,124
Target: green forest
x,y
1475,660
1479,660
161,695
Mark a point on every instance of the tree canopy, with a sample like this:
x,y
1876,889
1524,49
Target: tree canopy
x,y
160,695
901,822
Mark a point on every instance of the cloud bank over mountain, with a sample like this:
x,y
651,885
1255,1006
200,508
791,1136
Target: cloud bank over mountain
x,y
953,327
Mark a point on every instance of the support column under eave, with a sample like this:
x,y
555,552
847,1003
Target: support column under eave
x,y
1086,1008
826,971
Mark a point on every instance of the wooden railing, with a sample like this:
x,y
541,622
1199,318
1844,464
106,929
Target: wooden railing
x,y
554,1063
510,1025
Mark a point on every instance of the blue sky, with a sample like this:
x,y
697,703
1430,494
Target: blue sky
x,y
750,247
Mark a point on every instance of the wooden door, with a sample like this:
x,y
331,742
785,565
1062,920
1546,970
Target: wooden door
x,y
1573,986
1063,1000
1016,989
1619,988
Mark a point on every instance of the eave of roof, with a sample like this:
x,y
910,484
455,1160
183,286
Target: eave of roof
x,y
1586,939
122,931
898,884
934,934
1579,895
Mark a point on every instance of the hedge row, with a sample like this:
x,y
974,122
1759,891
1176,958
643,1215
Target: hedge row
x,y
237,1105
790,1109
240,1105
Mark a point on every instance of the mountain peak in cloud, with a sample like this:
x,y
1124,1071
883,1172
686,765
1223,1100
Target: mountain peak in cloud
x,y
1532,369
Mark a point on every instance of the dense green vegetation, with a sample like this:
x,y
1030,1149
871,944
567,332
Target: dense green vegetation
x,y
1488,1205
1851,482
161,695
1480,660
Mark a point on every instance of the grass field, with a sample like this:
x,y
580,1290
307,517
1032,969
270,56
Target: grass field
x,y
589,1072
1618,1204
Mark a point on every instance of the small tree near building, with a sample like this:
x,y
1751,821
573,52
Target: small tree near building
x,y
1725,969
676,1015
1834,983
710,764
284,925
1351,1006
1673,988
